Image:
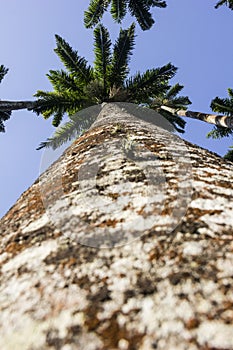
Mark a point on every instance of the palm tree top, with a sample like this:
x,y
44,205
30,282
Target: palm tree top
x,y
80,85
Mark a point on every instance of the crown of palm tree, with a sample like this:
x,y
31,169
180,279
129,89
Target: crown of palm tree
x,y
81,86
140,9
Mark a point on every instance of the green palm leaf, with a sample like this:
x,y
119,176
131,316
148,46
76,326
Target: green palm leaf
x,y
72,61
102,50
57,104
140,10
118,10
61,81
95,11
174,91
223,105
151,83
122,51
75,127
170,99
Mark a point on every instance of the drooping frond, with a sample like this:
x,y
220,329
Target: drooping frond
x,y
74,63
3,72
95,11
3,117
141,10
75,127
175,120
62,135
223,105
57,104
175,103
228,3
229,154
118,10
102,50
151,83
122,51
219,132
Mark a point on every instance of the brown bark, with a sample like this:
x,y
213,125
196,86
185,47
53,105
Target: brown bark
x,y
124,243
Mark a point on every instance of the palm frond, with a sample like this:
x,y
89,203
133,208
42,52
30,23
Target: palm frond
x,y
74,63
62,135
178,122
229,154
102,50
3,117
75,127
174,91
157,3
118,10
3,72
141,10
95,11
57,104
223,105
61,81
151,83
178,103
219,132
228,3
122,51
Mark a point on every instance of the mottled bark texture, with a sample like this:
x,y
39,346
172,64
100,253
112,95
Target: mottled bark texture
x,y
6,106
124,243
219,120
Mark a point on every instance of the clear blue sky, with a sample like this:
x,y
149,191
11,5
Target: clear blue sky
x,y
191,34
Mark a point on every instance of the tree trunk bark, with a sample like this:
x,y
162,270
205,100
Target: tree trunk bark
x,y
219,120
6,106
125,242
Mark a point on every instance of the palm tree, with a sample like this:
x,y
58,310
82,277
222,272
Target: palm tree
x,y
81,86
165,287
137,8
228,3
223,123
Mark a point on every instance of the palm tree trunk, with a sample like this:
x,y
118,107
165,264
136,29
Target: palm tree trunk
x,y
220,120
6,106
124,243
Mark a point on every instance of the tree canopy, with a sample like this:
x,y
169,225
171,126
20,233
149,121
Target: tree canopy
x,y
80,85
